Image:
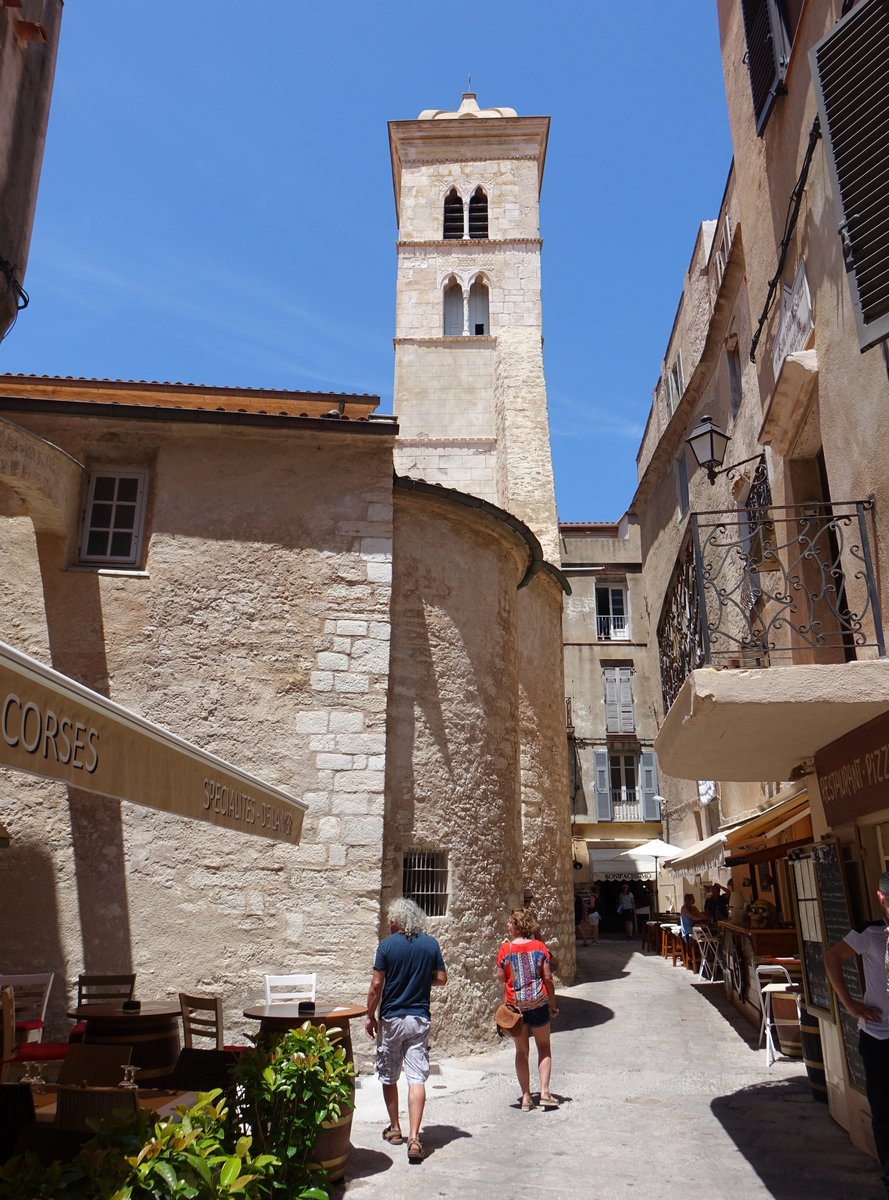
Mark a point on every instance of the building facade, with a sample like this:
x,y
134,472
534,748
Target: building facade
x,y
767,591
610,715
243,567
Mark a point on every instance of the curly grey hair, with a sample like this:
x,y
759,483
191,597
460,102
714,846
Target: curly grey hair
x,y
408,916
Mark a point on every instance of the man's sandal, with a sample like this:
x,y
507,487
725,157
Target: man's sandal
x,y
415,1150
392,1135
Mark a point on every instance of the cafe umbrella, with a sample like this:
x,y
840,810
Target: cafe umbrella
x,y
655,849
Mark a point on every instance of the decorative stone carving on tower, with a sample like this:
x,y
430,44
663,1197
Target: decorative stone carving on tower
x,y
469,388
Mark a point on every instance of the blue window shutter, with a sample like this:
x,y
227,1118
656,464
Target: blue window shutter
x,y
648,771
603,787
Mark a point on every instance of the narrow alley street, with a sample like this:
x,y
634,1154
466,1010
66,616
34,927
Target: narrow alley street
x,y
664,1095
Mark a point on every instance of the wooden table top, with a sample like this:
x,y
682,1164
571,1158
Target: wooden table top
x,y
116,1012
290,1012
159,1100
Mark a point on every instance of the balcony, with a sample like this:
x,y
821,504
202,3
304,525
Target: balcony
x,y
625,805
612,629
757,589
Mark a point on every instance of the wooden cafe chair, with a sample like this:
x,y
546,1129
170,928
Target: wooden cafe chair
x,y
31,999
202,1018
16,1056
101,989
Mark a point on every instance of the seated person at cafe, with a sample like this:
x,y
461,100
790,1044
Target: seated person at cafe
x,y
690,915
716,904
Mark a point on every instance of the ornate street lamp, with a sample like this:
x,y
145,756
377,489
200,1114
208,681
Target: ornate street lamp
x,y
708,443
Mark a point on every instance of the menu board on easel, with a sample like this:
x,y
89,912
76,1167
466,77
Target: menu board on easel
x,y
823,918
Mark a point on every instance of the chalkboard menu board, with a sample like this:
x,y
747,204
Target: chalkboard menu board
x,y
823,918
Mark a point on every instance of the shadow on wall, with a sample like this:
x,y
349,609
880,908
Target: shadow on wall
x,y
30,916
790,1141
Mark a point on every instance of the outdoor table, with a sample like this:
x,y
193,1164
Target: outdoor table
x,y
152,1031
280,1018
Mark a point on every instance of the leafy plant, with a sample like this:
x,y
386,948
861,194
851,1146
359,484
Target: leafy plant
x,y
287,1090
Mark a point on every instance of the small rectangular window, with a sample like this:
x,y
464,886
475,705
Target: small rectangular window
x,y
675,383
682,485
425,880
612,614
113,518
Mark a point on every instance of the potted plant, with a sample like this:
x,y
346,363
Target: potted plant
x,y
295,1096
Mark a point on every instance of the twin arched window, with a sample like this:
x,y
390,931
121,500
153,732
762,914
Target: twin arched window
x,y
477,313
455,215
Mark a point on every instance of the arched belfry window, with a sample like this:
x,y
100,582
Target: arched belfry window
x,y
479,321
478,214
453,310
453,214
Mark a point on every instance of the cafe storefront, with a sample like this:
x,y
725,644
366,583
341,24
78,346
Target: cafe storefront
x,y
835,883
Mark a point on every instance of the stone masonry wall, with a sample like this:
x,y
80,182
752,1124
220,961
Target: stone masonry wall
x,y
452,774
260,631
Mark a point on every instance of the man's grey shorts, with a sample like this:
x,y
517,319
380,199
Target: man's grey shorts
x,y
404,1041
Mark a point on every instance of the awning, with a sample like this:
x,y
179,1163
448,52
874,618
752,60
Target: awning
x,y
791,806
612,863
708,853
55,728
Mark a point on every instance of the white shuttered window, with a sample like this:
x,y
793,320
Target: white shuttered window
x,y
619,714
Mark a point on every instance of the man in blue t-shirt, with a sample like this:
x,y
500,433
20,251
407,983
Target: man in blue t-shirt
x,y
869,943
408,964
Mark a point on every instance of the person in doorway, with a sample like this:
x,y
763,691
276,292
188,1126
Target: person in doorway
x,y
869,943
716,904
407,966
592,916
626,909
580,921
523,967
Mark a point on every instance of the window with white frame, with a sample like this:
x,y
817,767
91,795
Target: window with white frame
x,y
723,249
623,776
612,614
619,714
113,518
675,383
425,880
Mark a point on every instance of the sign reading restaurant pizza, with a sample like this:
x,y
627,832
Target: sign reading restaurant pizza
x,y
853,772
55,728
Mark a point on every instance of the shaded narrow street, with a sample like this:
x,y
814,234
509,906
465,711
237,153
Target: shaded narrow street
x,y
664,1094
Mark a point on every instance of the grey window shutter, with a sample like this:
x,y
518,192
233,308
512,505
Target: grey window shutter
x,y
767,56
603,788
612,701
453,310
648,771
851,71
625,699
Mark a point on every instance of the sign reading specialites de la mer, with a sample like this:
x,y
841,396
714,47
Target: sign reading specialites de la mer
x,y
853,772
53,727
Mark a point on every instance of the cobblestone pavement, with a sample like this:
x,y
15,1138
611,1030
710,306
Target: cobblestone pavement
x,y
664,1095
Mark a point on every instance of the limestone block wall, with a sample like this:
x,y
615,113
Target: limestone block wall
x,y
546,811
468,465
260,631
445,389
511,185
452,772
525,484
511,271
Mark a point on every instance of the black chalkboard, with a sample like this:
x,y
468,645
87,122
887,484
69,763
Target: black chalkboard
x,y
833,923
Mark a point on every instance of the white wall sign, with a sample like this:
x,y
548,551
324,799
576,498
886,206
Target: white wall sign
x,y
797,320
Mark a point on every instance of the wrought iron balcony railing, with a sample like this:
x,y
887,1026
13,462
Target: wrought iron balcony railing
x,y
766,585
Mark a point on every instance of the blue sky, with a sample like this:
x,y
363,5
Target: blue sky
x,y
216,201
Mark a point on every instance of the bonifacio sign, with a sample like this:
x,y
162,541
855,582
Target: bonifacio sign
x,y
55,728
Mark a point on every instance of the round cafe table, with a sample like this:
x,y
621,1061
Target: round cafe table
x,y
153,1033
279,1018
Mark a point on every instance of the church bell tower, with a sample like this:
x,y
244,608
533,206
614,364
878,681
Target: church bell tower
x,y
469,387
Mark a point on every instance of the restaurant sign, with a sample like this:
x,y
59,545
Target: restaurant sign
x,y
53,727
853,772
796,321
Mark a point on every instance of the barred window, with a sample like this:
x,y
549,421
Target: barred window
x,y
425,881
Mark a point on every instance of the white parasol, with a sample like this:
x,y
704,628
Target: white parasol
x,y
655,849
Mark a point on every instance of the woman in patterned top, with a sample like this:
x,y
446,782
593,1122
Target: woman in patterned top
x,y
523,966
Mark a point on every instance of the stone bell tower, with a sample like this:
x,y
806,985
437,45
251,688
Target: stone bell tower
x,y
469,386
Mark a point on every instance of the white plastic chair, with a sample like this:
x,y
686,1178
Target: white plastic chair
x,y
770,978
289,989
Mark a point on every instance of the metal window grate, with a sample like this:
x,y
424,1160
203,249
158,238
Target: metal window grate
x,y
425,881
